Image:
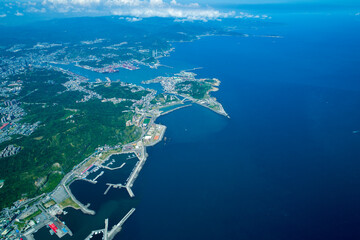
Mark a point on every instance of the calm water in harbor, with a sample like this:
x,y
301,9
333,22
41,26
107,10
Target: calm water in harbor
x,y
285,166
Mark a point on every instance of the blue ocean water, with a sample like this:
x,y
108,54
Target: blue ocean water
x,y
284,166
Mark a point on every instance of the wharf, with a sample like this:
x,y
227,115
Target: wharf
x,y
83,208
109,235
109,168
172,110
117,228
110,185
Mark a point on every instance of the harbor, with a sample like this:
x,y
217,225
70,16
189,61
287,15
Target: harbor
x,y
117,171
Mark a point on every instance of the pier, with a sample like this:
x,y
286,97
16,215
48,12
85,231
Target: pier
x,y
130,192
135,172
88,180
100,174
110,185
172,110
109,168
117,227
83,208
109,235
106,229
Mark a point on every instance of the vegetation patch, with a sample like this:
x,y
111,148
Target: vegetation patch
x,y
69,203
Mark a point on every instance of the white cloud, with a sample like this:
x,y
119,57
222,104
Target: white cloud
x,y
136,9
156,3
357,14
91,3
29,3
36,10
19,14
3,15
248,15
180,13
133,19
71,2
123,2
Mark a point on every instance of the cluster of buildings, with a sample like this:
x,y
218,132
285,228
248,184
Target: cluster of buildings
x,y
14,128
160,54
135,120
75,85
16,48
9,151
145,101
61,53
45,45
113,100
10,117
8,217
12,65
169,83
11,112
111,68
106,69
90,42
9,88
27,216
153,135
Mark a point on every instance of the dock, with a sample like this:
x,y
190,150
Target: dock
x,y
109,168
109,235
172,110
100,174
117,228
135,172
83,208
130,192
106,229
110,185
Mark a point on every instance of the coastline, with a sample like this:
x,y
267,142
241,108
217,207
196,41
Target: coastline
x,y
137,147
97,160
140,153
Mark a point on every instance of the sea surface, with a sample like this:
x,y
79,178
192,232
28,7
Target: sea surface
x,y
285,165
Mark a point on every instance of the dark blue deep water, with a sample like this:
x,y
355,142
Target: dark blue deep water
x,y
287,163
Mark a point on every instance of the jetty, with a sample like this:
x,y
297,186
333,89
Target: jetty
x,y
117,228
83,208
172,110
109,168
100,174
109,235
110,185
135,172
